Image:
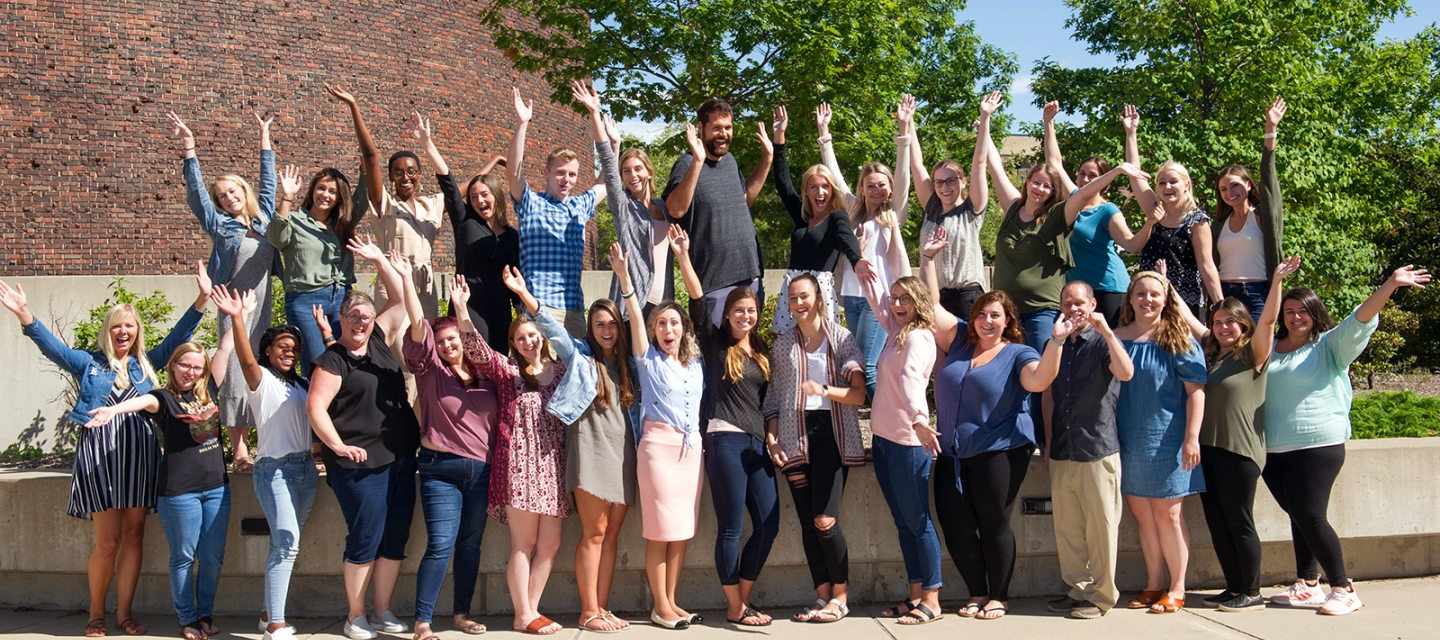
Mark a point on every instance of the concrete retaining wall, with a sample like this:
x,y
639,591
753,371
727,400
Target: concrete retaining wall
x,y
1385,507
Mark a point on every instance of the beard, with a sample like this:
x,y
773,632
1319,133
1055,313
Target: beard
x,y
712,146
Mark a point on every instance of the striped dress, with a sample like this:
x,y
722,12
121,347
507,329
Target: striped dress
x,y
116,465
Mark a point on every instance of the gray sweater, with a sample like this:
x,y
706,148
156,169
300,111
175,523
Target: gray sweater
x,y
634,232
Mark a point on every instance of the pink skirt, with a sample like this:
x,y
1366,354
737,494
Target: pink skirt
x,y
670,477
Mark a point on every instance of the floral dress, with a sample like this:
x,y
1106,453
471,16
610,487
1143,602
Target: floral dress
x,y
528,462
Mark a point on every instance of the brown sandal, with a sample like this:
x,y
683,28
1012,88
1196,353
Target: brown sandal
x,y
1146,598
132,627
1167,604
96,628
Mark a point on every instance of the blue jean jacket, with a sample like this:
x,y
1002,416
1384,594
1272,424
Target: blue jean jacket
x,y
225,232
92,370
576,390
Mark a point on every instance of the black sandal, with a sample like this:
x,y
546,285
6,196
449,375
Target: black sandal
x,y
920,613
748,613
896,611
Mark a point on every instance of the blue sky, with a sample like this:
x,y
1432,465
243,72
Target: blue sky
x,y
1042,33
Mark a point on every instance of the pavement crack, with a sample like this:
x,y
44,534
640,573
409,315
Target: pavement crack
x,y
885,628
1222,624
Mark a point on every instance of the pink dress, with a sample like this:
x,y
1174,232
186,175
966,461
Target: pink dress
x,y
528,462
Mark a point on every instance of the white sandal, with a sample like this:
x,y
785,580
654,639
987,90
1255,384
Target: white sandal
x,y
831,615
809,614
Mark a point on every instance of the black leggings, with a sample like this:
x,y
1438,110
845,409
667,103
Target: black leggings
x,y
1109,304
492,321
959,300
817,488
1301,482
1229,502
976,524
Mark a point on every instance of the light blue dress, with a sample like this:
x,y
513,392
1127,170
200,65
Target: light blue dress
x,y
1150,414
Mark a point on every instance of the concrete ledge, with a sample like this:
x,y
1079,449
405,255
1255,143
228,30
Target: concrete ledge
x,y
1384,506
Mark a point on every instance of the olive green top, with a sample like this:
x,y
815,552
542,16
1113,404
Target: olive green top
x,y
1235,408
314,257
1031,258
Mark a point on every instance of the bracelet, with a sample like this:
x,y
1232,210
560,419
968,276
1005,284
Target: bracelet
x,y
188,149
329,340
289,199
928,257
1059,342
825,390
1270,136
825,139
627,295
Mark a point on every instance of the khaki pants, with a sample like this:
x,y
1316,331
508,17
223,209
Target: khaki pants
x,y
572,319
1085,499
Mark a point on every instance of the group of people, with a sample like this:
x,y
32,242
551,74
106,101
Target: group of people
x,y
1198,374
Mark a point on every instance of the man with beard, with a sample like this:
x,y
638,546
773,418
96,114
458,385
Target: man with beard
x,y
552,223
711,199
1082,451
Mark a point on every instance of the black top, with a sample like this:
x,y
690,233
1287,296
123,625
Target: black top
x,y
480,254
723,244
1083,421
194,460
735,402
817,247
371,410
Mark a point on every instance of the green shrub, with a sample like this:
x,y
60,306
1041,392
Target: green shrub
x,y
1394,414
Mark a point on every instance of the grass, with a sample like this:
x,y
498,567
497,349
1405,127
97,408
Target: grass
x,y
1395,414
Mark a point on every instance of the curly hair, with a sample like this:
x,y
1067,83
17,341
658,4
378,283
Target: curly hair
x,y
688,350
924,316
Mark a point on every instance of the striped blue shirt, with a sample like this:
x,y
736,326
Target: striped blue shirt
x,y
552,245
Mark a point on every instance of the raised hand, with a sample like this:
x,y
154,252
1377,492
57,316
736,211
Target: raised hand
x,y
932,245
321,321
1134,172
679,240
1162,268
202,279
1101,325
1287,267
1051,109
401,264
585,94
822,118
340,94
419,126
513,280
763,135
905,113
248,302
1275,113
228,301
289,181
264,123
364,247
617,262
1131,119
14,300
865,271
1156,214
781,121
1409,276
1063,327
179,130
524,109
459,294
991,103
692,138
611,131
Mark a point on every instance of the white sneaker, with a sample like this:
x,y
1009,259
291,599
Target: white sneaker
x,y
1299,595
388,623
1341,601
359,629
279,634
262,625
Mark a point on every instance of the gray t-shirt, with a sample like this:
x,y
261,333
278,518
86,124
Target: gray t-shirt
x,y
1084,391
723,246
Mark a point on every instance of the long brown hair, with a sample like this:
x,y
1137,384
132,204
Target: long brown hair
x,y
341,220
687,351
1012,333
924,317
202,383
1319,315
1223,210
735,355
1240,351
626,384
531,382
496,184
1056,194
1172,333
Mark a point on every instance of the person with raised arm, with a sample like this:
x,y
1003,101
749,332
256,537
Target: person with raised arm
x,y
822,228
904,443
358,407
983,389
642,225
552,222
883,192
812,433
710,198
1307,421
285,476
485,243
527,477
741,476
235,216
458,411
117,464
1082,452
668,463
1098,226
1251,220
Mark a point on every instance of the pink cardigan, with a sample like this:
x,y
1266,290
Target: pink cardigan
x,y
901,375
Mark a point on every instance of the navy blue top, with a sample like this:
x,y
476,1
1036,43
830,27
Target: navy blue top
x,y
983,408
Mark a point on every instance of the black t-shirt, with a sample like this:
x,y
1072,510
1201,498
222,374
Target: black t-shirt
x,y
723,244
371,410
194,460
734,401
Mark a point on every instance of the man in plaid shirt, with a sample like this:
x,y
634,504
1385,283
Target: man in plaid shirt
x,y
552,223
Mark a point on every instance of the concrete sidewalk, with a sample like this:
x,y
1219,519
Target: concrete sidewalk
x,y
1394,609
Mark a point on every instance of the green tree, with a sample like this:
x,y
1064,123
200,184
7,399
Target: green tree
x,y
657,61
1202,73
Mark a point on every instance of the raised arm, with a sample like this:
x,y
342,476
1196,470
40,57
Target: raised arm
x,y
516,283
679,198
1271,204
587,95
946,324
919,174
232,303
515,159
279,233
622,214
1144,195
1406,276
1037,376
1076,202
265,194
1004,189
979,189
420,128
196,194
1135,242
387,319
784,185
369,153
1121,366
756,180
680,247
827,155
1262,344
73,361
413,309
639,344
1052,147
900,193
184,328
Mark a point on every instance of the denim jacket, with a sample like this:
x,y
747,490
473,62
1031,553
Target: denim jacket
x,y
92,370
225,232
577,389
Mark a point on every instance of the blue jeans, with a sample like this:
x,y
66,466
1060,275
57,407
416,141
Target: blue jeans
x,y
454,491
285,488
297,312
195,525
869,335
1037,326
741,479
1250,294
904,476
378,505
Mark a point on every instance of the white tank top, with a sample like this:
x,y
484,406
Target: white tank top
x,y
1242,255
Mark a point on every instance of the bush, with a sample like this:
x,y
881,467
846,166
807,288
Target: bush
x,y
1394,414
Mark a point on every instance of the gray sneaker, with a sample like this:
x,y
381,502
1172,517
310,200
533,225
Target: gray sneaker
x,y
1063,604
1086,611
1243,603
1219,599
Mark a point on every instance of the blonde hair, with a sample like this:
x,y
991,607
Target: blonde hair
x,y
252,203
1172,333
924,316
561,154
818,170
1187,203
202,384
137,346
644,158
858,208
1057,194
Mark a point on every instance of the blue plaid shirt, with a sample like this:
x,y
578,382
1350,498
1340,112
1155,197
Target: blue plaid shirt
x,y
552,245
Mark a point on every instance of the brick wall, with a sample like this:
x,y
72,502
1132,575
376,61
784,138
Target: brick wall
x,y
92,181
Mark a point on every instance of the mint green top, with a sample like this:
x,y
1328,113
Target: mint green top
x,y
1307,398
314,257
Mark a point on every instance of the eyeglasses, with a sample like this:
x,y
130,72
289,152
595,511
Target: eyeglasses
x,y
409,173
192,368
947,182
356,318
902,300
